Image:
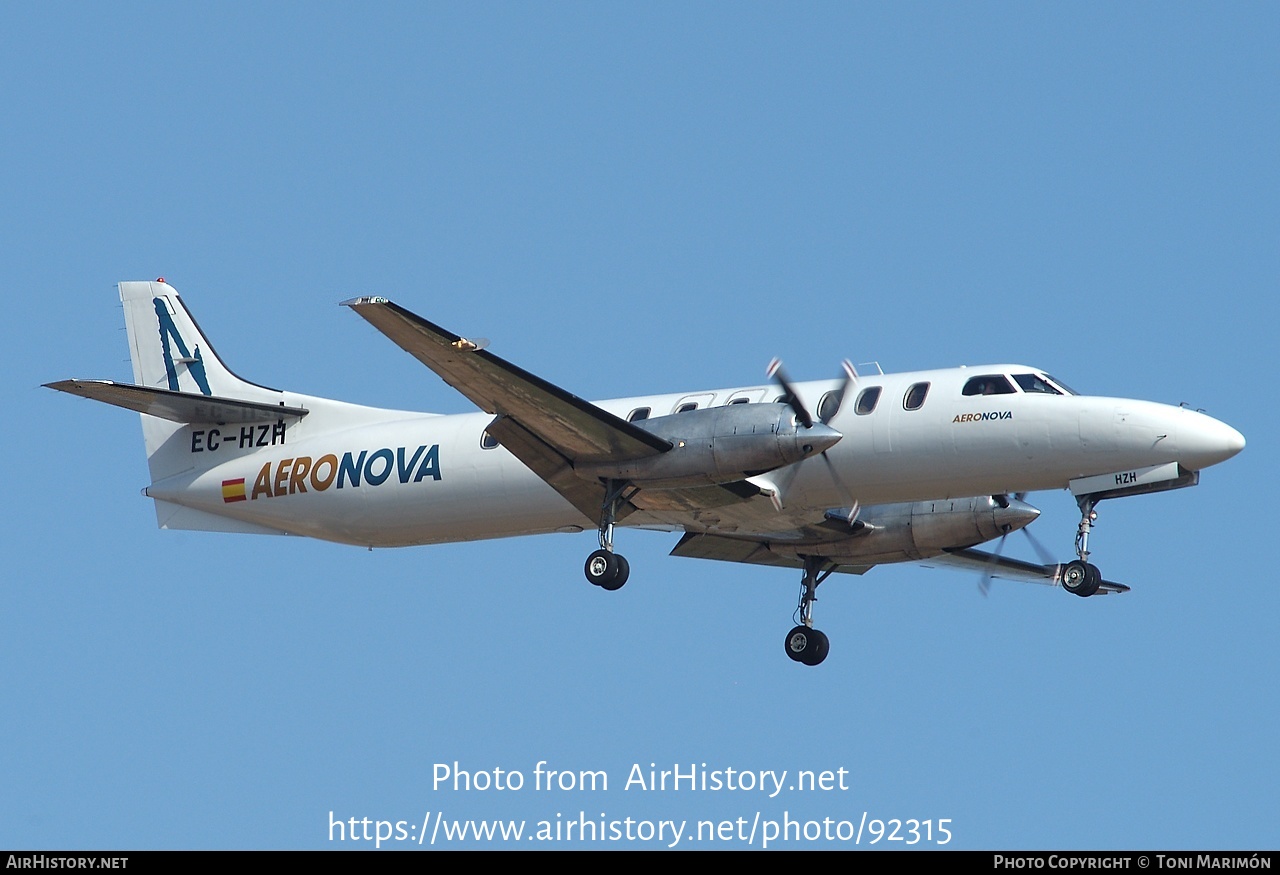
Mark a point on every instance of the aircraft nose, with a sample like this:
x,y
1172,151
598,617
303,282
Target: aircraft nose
x,y
818,438
1014,515
1204,441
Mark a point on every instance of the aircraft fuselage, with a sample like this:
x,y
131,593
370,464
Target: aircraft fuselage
x,y
402,478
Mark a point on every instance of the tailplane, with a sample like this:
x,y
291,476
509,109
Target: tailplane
x,y
179,381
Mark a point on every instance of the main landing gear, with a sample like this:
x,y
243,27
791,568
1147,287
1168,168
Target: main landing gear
x,y
804,643
605,568
1079,577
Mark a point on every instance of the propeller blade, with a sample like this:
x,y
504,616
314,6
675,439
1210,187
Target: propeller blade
x,y
984,582
851,502
842,395
1045,556
782,480
792,400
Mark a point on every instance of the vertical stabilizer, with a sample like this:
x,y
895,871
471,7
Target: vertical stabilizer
x,y
169,351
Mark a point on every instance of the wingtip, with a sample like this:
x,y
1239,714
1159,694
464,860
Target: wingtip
x,y
363,300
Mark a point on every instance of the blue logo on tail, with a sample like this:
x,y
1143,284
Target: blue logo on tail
x,y
193,361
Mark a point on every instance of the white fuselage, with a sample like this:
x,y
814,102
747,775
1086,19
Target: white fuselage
x,y
395,478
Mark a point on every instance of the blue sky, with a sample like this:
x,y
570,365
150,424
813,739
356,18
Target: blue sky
x,y
626,199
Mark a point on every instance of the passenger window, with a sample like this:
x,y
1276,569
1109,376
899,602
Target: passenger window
x,y
989,384
1031,383
829,404
687,406
867,400
781,399
487,441
738,401
638,414
914,399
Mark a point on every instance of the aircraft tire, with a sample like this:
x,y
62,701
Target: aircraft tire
x,y
819,649
1079,578
601,568
799,644
624,571
1093,582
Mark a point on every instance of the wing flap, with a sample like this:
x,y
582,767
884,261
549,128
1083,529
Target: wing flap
x,y
726,549
577,429
687,499
185,407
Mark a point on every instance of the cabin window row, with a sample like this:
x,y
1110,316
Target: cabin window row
x,y
868,398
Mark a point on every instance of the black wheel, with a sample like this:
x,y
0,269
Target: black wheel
x,y
1079,578
821,647
797,642
806,645
601,568
624,571
1093,582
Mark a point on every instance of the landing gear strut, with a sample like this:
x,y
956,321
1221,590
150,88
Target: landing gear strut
x,y
1079,577
804,643
605,568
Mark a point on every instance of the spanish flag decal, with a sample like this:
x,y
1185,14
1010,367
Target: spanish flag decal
x,y
233,490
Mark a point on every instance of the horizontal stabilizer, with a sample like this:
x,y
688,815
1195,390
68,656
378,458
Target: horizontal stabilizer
x,y
1005,568
186,407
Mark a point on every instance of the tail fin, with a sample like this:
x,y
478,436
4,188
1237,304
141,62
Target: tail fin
x,y
170,352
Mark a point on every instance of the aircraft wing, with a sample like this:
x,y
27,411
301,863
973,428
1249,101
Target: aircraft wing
x,y
1005,568
545,427
577,429
176,406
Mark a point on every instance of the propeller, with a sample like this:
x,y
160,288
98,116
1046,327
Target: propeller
x,y
984,582
826,412
828,409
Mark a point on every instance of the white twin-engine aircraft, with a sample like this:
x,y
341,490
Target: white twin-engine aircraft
x,y
821,476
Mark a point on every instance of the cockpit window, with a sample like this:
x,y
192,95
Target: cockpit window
x,y
989,384
1061,385
915,396
867,400
1031,383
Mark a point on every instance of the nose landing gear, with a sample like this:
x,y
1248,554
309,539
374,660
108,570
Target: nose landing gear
x,y
1079,577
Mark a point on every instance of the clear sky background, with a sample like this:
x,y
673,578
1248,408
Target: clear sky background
x,y
633,198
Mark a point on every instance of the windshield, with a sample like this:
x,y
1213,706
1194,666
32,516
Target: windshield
x,y
1032,383
1061,385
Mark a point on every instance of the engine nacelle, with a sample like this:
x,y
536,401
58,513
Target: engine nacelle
x,y
718,445
921,529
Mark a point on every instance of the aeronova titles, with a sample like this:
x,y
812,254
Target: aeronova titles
x,y
366,468
983,417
